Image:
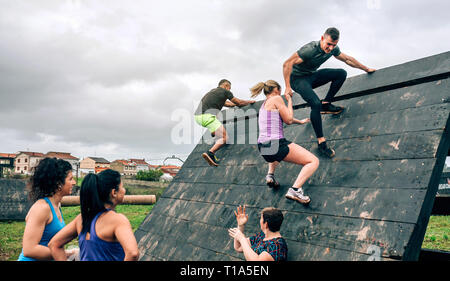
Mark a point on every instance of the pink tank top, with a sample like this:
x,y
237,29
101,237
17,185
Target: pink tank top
x,y
270,125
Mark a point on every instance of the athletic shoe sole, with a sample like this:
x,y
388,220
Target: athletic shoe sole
x,y
305,202
209,160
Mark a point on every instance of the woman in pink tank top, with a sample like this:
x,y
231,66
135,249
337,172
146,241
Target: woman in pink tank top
x,y
272,145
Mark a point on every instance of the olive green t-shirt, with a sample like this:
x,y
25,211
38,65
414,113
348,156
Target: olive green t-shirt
x,y
313,56
213,101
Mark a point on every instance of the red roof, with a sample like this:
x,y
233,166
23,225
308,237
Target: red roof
x,y
99,169
126,162
171,169
139,161
8,155
29,153
61,155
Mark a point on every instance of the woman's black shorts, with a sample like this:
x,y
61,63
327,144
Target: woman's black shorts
x,y
274,150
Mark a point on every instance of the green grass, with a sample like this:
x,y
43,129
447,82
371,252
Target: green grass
x,y
11,239
437,236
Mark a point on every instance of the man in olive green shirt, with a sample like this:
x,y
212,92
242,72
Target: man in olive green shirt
x,y
206,113
301,75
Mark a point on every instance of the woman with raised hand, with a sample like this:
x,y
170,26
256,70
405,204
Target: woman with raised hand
x,y
51,180
272,145
268,244
103,234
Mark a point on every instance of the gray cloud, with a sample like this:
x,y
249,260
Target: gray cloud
x,y
105,77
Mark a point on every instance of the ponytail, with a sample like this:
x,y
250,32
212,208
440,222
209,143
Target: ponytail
x,y
256,90
267,87
94,194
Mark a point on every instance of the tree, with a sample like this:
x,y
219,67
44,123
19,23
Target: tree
x,y
151,175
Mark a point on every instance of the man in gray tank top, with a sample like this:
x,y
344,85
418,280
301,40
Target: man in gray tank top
x,y
301,74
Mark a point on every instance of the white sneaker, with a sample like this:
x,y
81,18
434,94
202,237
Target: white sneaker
x,y
297,196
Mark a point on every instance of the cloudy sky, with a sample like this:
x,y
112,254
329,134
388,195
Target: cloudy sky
x,y
114,78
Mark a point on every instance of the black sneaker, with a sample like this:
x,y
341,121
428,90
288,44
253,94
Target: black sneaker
x,y
325,150
272,182
211,158
328,108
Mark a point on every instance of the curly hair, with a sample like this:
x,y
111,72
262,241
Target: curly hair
x,y
49,175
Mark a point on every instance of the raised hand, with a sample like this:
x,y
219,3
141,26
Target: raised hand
x,y
241,216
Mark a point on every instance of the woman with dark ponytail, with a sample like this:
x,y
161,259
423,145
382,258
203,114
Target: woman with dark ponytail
x,y
51,180
103,234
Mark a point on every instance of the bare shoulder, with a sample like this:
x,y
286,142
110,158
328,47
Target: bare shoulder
x,y
39,208
41,203
278,101
117,218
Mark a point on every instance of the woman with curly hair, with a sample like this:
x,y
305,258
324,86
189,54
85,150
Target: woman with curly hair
x,y
103,234
52,179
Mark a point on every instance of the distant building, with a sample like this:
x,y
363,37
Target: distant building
x,y
93,165
124,167
170,170
26,161
153,167
6,163
141,165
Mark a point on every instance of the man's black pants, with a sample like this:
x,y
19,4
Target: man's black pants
x,y
304,85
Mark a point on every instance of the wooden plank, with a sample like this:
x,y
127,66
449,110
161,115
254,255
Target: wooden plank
x,y
341,234
393,146
400,205
432,117
395,76
14,203
306,252
406,173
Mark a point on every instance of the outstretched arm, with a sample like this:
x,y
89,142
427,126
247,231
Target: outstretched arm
x,y
354,63
303,121
287,70
229,104
240,102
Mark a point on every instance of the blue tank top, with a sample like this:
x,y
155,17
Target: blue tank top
x,y
49,231
96,249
